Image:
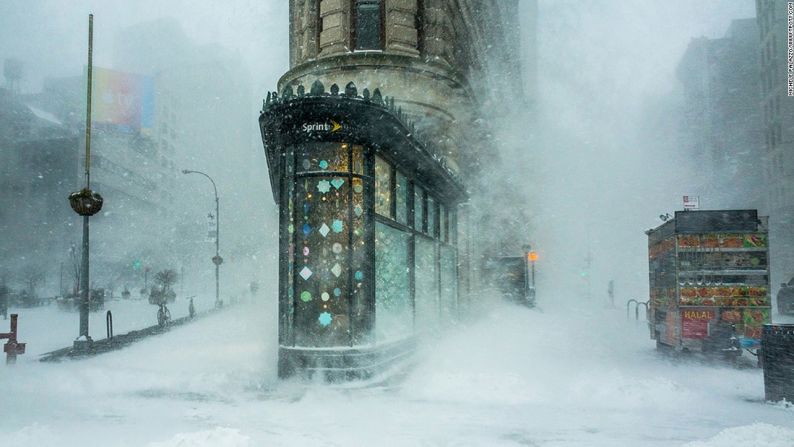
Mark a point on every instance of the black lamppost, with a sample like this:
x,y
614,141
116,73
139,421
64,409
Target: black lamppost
x,y
217,260
86,203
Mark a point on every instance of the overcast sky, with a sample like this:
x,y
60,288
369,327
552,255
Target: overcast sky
x,y
50,36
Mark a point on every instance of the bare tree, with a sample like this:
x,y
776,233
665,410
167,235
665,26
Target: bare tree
x,y
32,275
166,278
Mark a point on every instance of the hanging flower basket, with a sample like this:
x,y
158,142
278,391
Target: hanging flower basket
x,y
85,202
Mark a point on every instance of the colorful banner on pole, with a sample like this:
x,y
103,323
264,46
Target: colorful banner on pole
x,y
122,99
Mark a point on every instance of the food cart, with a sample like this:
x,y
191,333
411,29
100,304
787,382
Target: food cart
x,y
709,281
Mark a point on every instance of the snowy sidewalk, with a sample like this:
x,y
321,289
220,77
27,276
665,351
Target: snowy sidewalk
x,y
515,377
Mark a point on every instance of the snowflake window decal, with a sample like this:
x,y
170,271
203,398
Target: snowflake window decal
x,y
323,186
325,319
337,182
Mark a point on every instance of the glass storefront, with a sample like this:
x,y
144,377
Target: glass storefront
x,y
367,241
327,249
370,252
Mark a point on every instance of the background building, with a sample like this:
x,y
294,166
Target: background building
x,y
38,157
134,175
721,123
777,111
202,121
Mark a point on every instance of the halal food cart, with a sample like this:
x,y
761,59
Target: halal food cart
x,y
709,281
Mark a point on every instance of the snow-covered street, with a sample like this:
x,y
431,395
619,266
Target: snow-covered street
x,y
560,376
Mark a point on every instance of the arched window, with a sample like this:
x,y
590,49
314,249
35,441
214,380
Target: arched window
x,y
368,25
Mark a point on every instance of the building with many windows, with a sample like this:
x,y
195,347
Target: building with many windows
x,y
38,161
777,110
375,140
721,124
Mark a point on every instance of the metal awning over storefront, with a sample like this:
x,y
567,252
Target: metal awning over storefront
x,y
369,120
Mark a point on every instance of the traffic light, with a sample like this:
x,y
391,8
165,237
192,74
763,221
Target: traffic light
x,y
532,256
137,264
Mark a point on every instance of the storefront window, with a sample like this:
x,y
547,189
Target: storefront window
x,y
426,285
320,157
419,208
449,282
326,249
442,219
432,224
453,227
322,247
393,310
382,187
401,193
358,261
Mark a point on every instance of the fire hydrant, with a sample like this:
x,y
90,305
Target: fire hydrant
x,y
12,348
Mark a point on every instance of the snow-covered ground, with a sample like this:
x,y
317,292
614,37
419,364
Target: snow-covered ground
x,y
561,376
47,328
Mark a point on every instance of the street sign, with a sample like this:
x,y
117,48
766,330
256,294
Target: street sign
x,y
691,202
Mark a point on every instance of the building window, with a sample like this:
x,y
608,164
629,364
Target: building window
x,y
401,193
420,26
393,306
368,25
327,256
442,219
427,296
319,21
383,198
432,222
419,208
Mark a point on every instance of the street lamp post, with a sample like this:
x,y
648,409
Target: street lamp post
x,y
86,203
217,260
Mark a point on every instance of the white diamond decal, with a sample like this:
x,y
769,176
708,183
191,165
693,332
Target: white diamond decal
x,y
336,270
306,273
324,230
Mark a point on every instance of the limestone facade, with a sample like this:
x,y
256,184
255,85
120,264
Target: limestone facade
x,y
438,59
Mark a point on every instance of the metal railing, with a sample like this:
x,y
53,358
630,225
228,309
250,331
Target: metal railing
x,y
109,324
637,305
